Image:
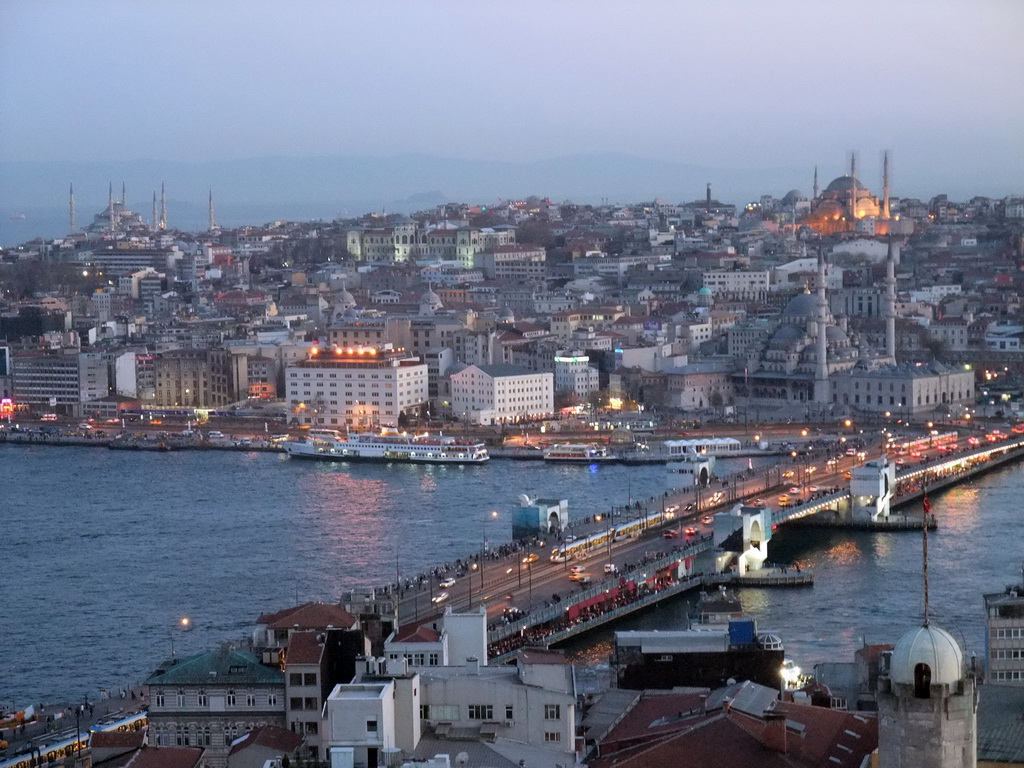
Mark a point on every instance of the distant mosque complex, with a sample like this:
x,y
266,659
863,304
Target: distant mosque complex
x,y
847,205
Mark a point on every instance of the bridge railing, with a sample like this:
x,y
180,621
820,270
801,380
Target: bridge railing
x,y
556,610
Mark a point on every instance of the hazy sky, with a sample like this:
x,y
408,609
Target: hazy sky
x,y
763,82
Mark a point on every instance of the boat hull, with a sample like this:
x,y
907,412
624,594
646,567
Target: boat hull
x,y
315,456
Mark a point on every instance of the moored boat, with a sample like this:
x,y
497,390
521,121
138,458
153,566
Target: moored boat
x,y
388,445
586,453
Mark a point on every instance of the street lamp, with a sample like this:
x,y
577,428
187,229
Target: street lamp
x,y
483,550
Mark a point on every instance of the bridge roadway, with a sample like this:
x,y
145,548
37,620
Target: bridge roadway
x,y
643,562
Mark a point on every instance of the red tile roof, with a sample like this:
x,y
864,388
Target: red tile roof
x,y
309,616
417,634
166,757
271,737
117,739
304,648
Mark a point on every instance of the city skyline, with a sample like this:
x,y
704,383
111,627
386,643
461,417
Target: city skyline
x,y
748,87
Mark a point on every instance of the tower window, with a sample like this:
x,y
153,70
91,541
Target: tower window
x,y
922,681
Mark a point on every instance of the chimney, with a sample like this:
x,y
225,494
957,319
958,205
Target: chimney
x,y
474,663
774,734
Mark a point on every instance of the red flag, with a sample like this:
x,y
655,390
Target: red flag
x,y
927,505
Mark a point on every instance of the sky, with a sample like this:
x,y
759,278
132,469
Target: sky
x,y
725,83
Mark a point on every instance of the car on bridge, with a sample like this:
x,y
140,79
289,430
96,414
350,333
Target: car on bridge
x,y
447,583
440,598
531,558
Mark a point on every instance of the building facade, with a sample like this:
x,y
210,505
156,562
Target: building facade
x,y
211,699
359,387
501,394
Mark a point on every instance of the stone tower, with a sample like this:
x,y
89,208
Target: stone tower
x,y
822,393
927,704
890,303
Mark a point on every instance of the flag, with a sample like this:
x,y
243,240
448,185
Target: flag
x,y
927,504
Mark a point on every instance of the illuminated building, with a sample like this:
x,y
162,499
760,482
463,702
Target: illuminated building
x,y
357,386
501,394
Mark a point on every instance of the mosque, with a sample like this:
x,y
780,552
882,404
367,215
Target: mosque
x,y
846,201
813,358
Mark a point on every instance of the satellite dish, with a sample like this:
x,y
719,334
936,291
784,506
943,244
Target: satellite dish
x,y
462,758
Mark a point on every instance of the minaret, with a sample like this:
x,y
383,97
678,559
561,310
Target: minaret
x,y
124,196
156,221
853,186
163,207
71,206
816,188
112,224
885,185
890,303
708,203
213,223
822,393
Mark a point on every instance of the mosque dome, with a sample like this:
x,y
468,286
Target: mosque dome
x,y
835,334
844,184
792,196
801,305
431,299
506,315
787,335
704,291
931,646
345,300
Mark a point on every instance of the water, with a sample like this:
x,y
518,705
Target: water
x,y
103,552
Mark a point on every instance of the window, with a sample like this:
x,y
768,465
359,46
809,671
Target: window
x,y
434,659
481,712
250,699
424,711
312,727
310,702
203,699
295,678
508,711
272,699
295,702
231,698
159,700
181,698
552,736
371,726
552,711
309,678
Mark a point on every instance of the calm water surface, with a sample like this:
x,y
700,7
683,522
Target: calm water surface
x,y
103,552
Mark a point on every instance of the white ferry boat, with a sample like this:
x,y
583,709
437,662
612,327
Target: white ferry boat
x,y
586,453
388,445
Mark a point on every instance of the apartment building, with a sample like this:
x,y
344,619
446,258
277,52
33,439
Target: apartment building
x,y
501,394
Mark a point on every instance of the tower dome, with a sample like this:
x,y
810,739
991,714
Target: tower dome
x,y
931,646
844,184
430,302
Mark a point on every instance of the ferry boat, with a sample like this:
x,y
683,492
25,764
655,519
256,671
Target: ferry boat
x,y
586,453
387,445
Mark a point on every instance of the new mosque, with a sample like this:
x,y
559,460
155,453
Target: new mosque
x,y
812,357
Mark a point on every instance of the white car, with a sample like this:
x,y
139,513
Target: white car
x,y
440,598
611,568
446,583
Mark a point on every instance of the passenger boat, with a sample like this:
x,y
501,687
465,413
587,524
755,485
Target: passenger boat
x,y
387,445
587,453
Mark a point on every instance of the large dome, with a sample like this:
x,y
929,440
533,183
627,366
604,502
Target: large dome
x,y
844,184
801,305
931,646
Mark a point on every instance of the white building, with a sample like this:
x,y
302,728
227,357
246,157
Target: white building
x,y
392,712
574,375
361,387
453,640
64,382
739,284
497,394
513,262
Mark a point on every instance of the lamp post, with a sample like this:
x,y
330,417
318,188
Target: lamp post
x,y
483,549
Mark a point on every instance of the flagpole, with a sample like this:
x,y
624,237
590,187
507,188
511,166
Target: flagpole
x,y
927,508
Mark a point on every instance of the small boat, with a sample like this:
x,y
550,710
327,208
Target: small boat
x,y
587,453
